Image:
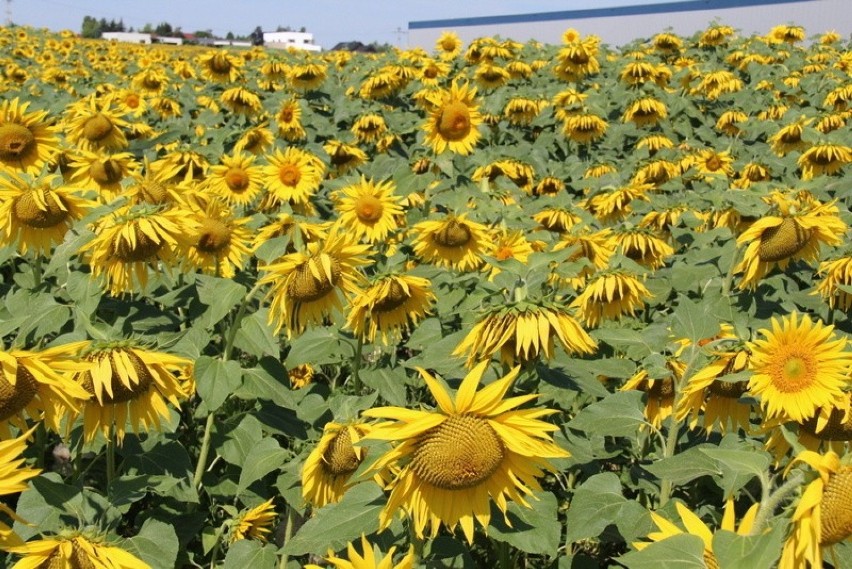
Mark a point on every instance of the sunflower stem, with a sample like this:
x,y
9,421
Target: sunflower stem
x,y
356,366
288,532
669,450
38,273
770,502
504,559
41,443
205,450
729,278
110,457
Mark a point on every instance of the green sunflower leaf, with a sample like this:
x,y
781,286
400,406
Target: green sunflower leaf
x,y
156,544
251,553
264,457
598,504
684,551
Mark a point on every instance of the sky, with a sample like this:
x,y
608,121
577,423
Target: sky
x,y
331,21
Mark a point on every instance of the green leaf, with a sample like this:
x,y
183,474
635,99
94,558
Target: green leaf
x,y
45,503
737,466
156,544
268,381
533,530
240,440
599,503
618,415
220,296
334,525
637,344
216,380
684,551
694,320
255,336
319,346
263,458
389,383
733,550
250,553
684,466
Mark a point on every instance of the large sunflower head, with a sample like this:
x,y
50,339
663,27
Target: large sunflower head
x,y
75,549
292,175
609,295
798,367
102,172
235,179
241,101
453,124
824,159
331,464
368,558
368,209
453,461
219,242
95,125
307,77
391,306
220,66
27,140
453,242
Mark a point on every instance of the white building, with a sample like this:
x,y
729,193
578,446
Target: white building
x,y
285,40
127,37
232,43
620,25
168,40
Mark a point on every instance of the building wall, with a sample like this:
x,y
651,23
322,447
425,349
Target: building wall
x,y
618,26
128,37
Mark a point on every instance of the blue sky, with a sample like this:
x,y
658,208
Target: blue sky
x,y
331,21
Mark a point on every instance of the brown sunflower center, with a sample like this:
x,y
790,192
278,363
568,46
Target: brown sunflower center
x,y
289,174
150,83
15,141
791,137
731,390
59,559
237,180
142,249
341,157
120,392
713,163
214,236
836,429
710,560
454,123
783,241
38,213
220,64
460,453
13,398
452,234
430,72
393,299
368,209
153,192
106,172
286,115
97,128
661,389
448,44
307,287
836,508
339,457
132,100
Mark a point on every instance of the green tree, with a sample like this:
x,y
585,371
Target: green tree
x,y
90,28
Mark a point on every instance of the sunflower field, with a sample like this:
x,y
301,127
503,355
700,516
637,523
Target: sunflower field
x,y
493,305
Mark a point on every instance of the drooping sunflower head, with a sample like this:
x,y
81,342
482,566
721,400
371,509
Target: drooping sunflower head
x,y
391,306
220,66
307,77
102,172
27,140
218,243
75,549
330,465
94,125
824,159
344,157
609,295
453,124
643,246
241,101
452,242
254,523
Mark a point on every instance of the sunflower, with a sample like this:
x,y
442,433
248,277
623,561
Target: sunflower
x,y
131,240
330,465
453,461
752,173
659,404
368,559
789,138
594,247
93,126
220,66
717,83
454,123
129,382
392,305
13,477
729,121
453,242
836,274
654,143
236,179
433,72
609,295
102,172
694,526
522,331
254,523
307,77
368,210
548,186
289,120
27,141
584,128
642,245
715,35
381,85
37,213
509,244
300,376
369,128
798,367
611,206
645,111
520,173
292,175
824,159
75,550
822,517
255,140
787,34
557,220
153,187
219,242
298,231
710,397
241,101
667,43
448,45
777,240
306,286
37,385
490,76
344,157
830,429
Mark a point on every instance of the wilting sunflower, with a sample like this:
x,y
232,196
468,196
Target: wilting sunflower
x,y
300,376
798,367
94,125
659,404
454,123
609,295
751,173
656,172
642,245
220,66
307,77
521,331
548,186
789,138
256,140
774,240
27,140
520,173
824,159
102,172
330,465
369,128
289,120
236,179
368,559
835,274
509,245
307,286
344,157
453,461
298,231
37,213
75,550
37,385
241,101
254,523
594,247
380,85
218,244
131,240
557,220
453,242
390,306
368,210
610,206
695,526
292,175
822,518
129,382
645,111
13,477
584,128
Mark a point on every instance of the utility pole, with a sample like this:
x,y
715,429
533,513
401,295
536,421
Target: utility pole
x,y
399,33
8,13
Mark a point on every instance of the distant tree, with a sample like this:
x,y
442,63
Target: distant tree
x,y
257,36
164,29
283,29
102,25
147,29
203,33
303,29
131,30
121,27
90,28
229,36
